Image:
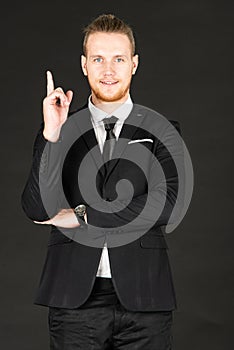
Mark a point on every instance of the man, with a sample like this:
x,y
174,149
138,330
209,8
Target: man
x,y
106,278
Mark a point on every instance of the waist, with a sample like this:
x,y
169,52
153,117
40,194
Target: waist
x,y
103,294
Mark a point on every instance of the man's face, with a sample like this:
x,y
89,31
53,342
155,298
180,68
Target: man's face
x,y
109,66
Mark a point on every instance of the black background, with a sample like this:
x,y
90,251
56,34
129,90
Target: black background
x,y
185,73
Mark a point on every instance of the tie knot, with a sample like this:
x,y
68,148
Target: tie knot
x,y
109,123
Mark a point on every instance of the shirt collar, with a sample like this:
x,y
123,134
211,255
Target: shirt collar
x,y
122,112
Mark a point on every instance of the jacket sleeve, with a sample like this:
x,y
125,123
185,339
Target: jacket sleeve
x,y
43,179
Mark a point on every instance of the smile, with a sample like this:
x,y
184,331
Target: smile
x,y
106,82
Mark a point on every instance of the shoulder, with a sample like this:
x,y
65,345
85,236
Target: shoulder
x,y
82,108
154,119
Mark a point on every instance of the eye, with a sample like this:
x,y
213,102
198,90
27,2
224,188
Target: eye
x,y
119,59
98,59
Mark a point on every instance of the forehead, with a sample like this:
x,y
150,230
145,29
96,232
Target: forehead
x,y
108,43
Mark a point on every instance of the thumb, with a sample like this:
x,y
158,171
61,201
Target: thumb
x,y
69,95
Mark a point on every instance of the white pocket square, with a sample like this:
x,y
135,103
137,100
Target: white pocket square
x,y
140,140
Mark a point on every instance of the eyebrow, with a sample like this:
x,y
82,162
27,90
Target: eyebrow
x,y
99,55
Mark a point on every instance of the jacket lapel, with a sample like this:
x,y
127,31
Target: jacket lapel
x,y
84,124
130,127
132,123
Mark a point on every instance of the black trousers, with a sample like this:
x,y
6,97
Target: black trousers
x,y
102,323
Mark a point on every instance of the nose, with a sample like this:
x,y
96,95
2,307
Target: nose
x,y
108,68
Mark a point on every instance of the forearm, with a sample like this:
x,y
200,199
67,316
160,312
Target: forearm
x,y
42,186
143,212
31,198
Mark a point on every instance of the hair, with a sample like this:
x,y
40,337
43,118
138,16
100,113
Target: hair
x,y
108,23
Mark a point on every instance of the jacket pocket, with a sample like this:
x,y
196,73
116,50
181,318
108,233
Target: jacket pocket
x,y
153,241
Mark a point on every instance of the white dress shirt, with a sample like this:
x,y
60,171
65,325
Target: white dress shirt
x,y
122,112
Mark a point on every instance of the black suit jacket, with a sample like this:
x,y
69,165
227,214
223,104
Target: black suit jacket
x,y
140,268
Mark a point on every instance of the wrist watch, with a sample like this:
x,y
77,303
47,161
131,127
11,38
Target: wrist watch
x,y
80,211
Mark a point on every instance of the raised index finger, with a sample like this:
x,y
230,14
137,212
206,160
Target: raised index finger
x,y
50,82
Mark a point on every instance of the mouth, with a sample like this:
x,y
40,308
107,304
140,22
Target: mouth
x,y
108,82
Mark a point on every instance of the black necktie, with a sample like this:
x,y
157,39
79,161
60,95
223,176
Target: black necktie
x,y
110,141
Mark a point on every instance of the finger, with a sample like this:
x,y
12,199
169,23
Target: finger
x,y
69,95
48,222
50,83
64,99
57,96
59,89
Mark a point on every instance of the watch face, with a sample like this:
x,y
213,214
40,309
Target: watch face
x,y
80,210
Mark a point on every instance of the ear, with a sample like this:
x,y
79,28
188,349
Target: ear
x,y
83,65
135,61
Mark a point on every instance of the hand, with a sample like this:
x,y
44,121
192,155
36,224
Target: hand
x,y
66,218
55,109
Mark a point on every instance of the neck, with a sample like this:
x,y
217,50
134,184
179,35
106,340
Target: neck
x,y
107,107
